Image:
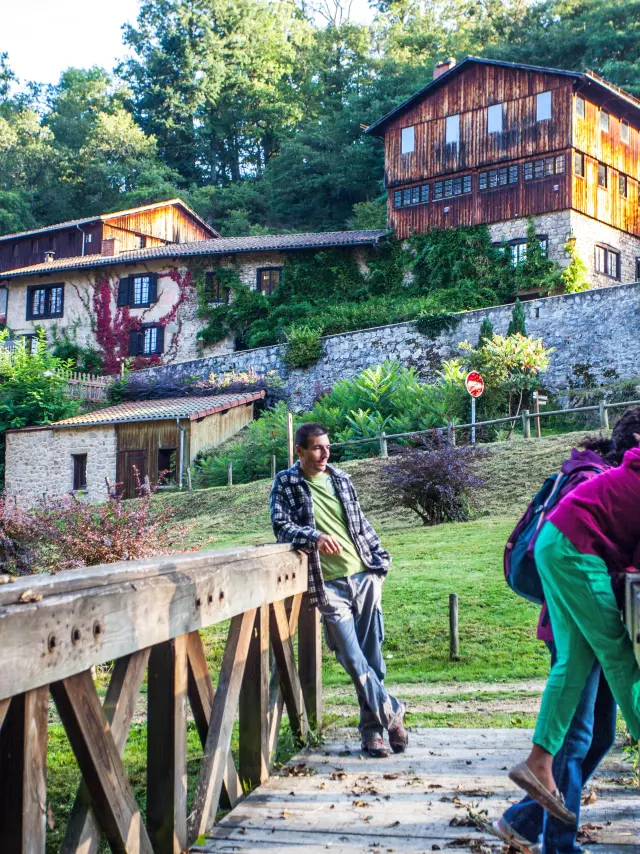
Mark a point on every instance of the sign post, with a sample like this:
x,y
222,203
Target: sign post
x,y
475,386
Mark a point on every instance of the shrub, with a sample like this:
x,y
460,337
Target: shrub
x,y
304,347
18,539
486,332
517,324
435,483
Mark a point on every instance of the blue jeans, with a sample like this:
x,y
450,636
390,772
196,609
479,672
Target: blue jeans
x,y
354,631
590,737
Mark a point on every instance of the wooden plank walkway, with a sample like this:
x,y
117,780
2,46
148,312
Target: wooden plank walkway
x,y
337,799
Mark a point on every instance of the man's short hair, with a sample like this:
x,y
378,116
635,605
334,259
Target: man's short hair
x,y
307,431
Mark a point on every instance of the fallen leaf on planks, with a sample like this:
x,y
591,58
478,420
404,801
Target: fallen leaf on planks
x,y
30,596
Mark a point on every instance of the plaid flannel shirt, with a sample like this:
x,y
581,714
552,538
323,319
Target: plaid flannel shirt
x,y
291,505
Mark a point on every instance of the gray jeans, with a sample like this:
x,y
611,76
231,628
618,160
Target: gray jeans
x,y
354,631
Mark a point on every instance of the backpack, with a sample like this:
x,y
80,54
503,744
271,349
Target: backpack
x,y
520,569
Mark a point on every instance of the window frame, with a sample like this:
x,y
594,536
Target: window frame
x,y
604,121
495,110
603,170
211,279
578,157
127,290
272,287
48,314
407,137
544,99
139,336
452,122
519,243
79,476
625,124
623,186
607,253
170,478
580,111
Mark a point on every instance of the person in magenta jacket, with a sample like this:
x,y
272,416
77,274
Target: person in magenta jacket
x,y
591,539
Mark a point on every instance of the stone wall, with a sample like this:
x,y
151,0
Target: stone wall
x,y
601,327
39,461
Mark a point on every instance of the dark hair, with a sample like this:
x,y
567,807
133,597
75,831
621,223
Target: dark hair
x,y
622,436
306,431
604,448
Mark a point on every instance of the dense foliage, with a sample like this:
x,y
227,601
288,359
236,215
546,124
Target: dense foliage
x,y
252,109
436,483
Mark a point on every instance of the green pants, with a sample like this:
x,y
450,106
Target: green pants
x,y
587,624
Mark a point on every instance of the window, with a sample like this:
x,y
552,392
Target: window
x,y
513,174
451,187
624,131
146,341
45,301
578,164
424,193
518,248
580,107
89,238
34,247
637,269
141,241
602,176
495,119
543,168
527,171
269,279
79,471
29,341
543,106
608,262
216,292
622,186
437,190
4,299
15,250
604,121
466,184
452,131
415,195
166,466
407,140
138,291
397,199
411,196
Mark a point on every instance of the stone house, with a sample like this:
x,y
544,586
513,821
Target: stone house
x,y
120,445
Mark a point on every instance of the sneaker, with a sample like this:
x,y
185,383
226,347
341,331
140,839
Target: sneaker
x,y
398,736
503,830
374,745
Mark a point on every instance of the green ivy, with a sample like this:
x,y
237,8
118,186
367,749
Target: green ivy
x,y
433,325
304,347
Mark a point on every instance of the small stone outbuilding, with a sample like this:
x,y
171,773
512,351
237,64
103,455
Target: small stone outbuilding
x,y
157,439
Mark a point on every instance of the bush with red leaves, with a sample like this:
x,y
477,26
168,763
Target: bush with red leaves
x,y
18,539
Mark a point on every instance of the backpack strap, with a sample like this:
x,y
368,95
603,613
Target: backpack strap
x,y
542,512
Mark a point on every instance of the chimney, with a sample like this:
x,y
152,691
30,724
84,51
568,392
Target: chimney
x,y
110,246
442,67
49,255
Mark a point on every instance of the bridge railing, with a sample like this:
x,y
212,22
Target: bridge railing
x,y
146,616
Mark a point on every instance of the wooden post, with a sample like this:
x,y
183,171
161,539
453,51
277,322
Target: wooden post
x,y
526,424
454,644
310,661
167,746
189,484
536,409
453,434
604,415
23,773
273,466
290,438
230,474
254,705
384,453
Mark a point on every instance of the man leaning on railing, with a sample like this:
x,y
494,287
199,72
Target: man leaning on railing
x,y
315,507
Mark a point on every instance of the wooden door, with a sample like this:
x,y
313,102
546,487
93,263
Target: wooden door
x,y
130,464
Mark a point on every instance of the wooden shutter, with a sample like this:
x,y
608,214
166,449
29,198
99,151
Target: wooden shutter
x,y
134,342
123,291
160,340
153,287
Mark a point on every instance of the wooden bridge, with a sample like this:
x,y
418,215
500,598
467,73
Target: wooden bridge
x,y
146,617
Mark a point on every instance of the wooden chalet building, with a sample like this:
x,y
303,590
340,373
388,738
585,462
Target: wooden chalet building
x,y
496,142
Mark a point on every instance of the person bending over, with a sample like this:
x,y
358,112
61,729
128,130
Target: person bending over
x,y
589,541
314,506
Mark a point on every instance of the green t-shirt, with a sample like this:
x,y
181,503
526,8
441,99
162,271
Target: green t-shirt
x,y
330,519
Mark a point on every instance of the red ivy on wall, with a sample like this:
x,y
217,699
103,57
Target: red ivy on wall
x,y
112,329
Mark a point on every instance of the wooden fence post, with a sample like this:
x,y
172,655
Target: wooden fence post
x,y
526,424
384,452
310,661
230,473
254,705
189,484
454,645
290,438
536,409
273,466
604,415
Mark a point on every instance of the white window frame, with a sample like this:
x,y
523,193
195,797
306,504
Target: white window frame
x,y
495,118
452,130
407,140
544,108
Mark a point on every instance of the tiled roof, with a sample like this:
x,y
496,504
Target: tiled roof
x,y
160,410
587,77
217,246
72,223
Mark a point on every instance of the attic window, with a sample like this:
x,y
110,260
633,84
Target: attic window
x,y
543,106
604,121
452,130
624,131
580,107
495,119
408,140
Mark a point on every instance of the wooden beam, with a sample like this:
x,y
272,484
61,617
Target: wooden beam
x,y
276,700
310,661
83,831
254,705
23,774
66,634
167,747
100,763
289,679
4,707
225,704
201,697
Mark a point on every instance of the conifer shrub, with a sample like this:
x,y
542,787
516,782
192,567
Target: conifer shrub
x,y
304,347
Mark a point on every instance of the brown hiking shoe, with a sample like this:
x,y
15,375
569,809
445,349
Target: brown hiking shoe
x,y
398,735
374,745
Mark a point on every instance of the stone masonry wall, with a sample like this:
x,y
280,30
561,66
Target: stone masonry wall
x,y
39,462
600,326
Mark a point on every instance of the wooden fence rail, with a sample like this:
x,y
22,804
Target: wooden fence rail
x,y
146,616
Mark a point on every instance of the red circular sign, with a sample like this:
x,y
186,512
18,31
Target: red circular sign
x,y
474,384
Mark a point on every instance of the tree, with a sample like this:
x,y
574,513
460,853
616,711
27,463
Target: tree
x,y
486,332
517,325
